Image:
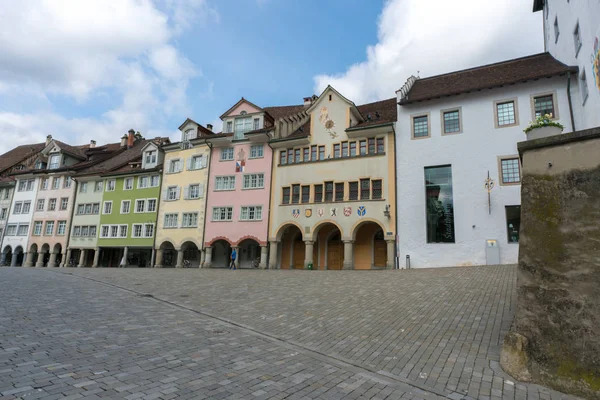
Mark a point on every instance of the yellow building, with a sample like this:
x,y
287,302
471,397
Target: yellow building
x,y
333,203
182,209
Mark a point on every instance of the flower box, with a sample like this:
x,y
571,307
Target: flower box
x,y
543,131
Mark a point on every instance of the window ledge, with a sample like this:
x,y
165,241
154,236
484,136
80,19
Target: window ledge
x,y
226,220
249,220
332,159
256,188
331,202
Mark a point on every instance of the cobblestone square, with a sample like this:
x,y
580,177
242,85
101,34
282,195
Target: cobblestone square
x,y
250,334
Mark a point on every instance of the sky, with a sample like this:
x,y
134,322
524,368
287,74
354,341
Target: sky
x,y
92,70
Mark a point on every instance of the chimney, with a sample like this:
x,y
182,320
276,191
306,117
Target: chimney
x,y
48,139
307,102
130,138
209,127
124,141
92,144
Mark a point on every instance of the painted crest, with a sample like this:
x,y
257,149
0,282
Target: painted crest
x,y
361,211
308,212
320,212
333,212
347,211
240,163
296,212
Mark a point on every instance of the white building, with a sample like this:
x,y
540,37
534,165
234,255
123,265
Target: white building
x,y
572,35
453,130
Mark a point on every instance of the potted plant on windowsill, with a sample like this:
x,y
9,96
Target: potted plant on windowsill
x,y
542,127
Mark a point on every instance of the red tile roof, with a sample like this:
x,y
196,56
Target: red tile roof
x,y
523,69
19,154
283,111
377,113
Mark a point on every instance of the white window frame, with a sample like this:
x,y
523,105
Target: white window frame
x,y
65,201
26,207
30,184
3,213
225,154
64,228
11,230
187,218
22,186
19,228
67,182
245,213
141,179
133,229
175,162
102,234
17,207
44,184
248,179
36,225
135,206
255,149
148,204
125,183
104,204
167,194
157,180
230,182
145,235
150,156
192,164
110,185
56,183
169,218
189,191
83,187
98,186
52,204
123,202
54,161
49,224
218,210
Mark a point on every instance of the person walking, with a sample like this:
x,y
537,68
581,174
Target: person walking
x,y
233,257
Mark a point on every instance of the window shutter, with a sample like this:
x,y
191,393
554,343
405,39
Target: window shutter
x,y
201,190
189,163
204,161
177,193
180,164
164,194
186,192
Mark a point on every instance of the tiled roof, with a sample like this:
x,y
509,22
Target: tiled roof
x,y
75,151
283,111
18,154
301,132
377,113
488,76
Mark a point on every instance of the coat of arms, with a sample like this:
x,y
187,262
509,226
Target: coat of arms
x,y
296,212
347,211
333,212
308,213
361,211
320,212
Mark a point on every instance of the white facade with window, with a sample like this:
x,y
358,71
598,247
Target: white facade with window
x,y
445,149
571,29
27,194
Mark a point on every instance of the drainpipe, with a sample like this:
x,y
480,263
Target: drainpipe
x,y
152,256
64,262
397,197
209,161
273,156
570,102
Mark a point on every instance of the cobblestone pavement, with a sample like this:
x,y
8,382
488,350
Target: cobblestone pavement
x,y
248,334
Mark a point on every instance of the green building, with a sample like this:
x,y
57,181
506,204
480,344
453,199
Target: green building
x,y
129,210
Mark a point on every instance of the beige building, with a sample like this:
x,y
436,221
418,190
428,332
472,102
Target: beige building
x,y
180,232
333,200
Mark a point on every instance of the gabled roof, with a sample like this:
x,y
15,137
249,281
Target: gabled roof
x,y
186,121
377,113
283,111
242,100
77,152
518,70
331,88
19,154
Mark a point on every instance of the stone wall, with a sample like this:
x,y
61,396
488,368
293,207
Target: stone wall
x,y
555,338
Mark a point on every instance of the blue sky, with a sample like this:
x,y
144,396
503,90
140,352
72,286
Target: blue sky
x,y
94,69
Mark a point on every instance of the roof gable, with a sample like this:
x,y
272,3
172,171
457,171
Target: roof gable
x,y
241,105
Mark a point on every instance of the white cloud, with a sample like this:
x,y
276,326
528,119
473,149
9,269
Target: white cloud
x,y
437,36
77,50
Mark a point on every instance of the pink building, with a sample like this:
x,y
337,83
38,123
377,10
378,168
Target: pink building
x,y
239,185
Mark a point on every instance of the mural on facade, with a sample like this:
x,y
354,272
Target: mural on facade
x,y
327,122
595,58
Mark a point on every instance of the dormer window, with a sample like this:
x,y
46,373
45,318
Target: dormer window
x,y
54,161
40,165
189,135
151,157
242,125
229,128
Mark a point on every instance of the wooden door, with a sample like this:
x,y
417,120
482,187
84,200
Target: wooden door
x,y
380,256
299,249
335,254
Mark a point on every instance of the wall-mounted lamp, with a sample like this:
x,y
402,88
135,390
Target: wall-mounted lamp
x,y
386,212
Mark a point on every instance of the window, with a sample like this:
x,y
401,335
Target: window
x,y
64,203
22,185
227,154
195,162
61,228
142,182
81,209
83,187
363,147
98,186
344,149
128,184
151,157
104,229
513,223
151,205
123,231
420,126
40,165
313,153
44,184
107,207
84,231
577,39
194,192
353,189
225,182
49,228
110,185
510,170
283,157
24,228
339,191
505,113
295,194
18,207
174,166
11,230
114,231
140,206
171,220
30,184
68,182
137,230
365,189
148,230
242,125
51,204
352,149
229,127
285,195
37,228
254,181
297,156
451,121
251,213
318,193
26,207
76,231
189,220
256,123
439,204
92,231
556,30
328,191
321,152
371,142
306,154
380,145
376,187
222,213
544,105
305,194
584,88
336,150
154,180
56,183
54,161
125,206
3,213
172,193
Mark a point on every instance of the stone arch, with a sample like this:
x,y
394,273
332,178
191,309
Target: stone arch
x,y
217,238
191,252
315,229
370,246
251,237
19,254
166,244
169,254
33,248
221,252
363,221
6,256
248,251
286,225
190,240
